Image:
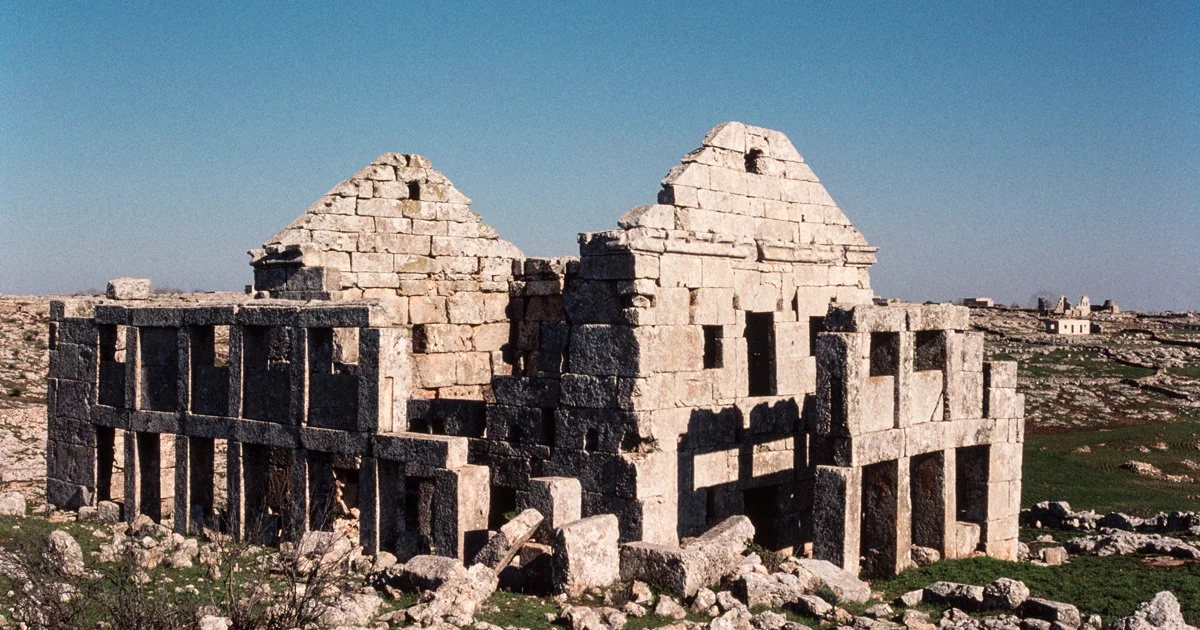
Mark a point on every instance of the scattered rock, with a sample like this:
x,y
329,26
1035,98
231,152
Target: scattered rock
x,y
1005,594
1065,615
1053,556
844,585
1116,542
63,551
962,596
212,622
1149,470
352,609
1160,613
922,556
640,592
768,620
704,600
912,598
12,504
668,606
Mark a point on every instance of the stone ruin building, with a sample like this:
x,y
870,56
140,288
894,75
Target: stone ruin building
x,y
718,353
1064,319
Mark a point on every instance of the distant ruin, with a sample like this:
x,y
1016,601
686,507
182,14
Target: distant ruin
x,y
1064,319
718,354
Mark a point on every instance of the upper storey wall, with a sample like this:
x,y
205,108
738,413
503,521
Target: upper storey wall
x,y
747,196
395,228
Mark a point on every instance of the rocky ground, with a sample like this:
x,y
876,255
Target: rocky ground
x,y
1139,369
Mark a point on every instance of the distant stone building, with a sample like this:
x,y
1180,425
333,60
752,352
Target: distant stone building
x,y
978,302
1068,326
717,354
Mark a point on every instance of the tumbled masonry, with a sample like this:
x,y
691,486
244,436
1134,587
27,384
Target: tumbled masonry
x,y
717,354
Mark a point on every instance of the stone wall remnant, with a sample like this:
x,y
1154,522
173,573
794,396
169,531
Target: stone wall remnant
x,y
719,354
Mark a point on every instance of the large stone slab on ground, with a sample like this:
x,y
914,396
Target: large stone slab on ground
x,y
586,554
775,590
845,585
1061,613
425,573
700,562
963,596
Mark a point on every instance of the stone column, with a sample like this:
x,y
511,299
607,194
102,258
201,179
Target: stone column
x,y
837,514
235,491
368,505
183,485
460,512
950,502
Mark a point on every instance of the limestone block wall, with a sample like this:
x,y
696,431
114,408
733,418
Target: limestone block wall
x,y
399,231
696,339
916,439
308,403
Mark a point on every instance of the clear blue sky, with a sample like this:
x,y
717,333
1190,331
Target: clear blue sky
x,y
1000,149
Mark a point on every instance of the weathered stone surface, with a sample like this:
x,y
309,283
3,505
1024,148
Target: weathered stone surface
x,y
456,599
842,583
504,544
63,552
964,596
1160,613
12,504
425,573
1004,594
774,590
669,607
1066,615
586,554
701,561
352,609
128,289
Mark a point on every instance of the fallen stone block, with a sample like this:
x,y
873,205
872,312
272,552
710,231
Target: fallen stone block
x,y
1061,613
1004,594
776,590
1053,556
962,596
843,584
457,598
424,573
701,561
12,504
62,551
586,554
500,549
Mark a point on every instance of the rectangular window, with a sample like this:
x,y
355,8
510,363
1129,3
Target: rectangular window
x,y
885,354
712,348
760,353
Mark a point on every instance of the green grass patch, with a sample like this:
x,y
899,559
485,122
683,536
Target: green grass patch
x,y
1187,371
518,610
1111,587
1078,363
1053,470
